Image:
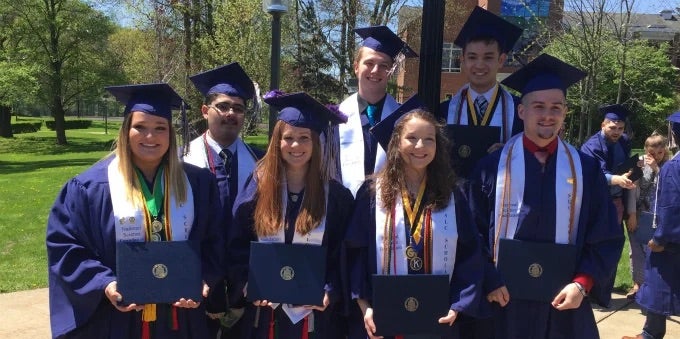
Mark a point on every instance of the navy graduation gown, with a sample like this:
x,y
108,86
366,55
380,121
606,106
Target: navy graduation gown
x,y
465,292
599,239
340,203
660,292
81,244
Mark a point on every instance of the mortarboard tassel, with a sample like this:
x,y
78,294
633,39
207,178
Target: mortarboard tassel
x,y
184,121
330,149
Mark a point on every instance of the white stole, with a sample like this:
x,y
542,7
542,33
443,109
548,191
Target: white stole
x,y
314,237
129,219
508,208
246,159
444,237
497,117
352,142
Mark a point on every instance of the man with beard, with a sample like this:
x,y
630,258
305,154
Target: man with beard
x,y
540,198
611,147
227,90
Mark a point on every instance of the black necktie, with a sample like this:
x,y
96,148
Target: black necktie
x,y
226,156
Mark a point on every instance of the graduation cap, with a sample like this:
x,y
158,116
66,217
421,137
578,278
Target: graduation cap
x,y
615,112
544,72
301,110
383,130
229,79
483,24
382,39
157,99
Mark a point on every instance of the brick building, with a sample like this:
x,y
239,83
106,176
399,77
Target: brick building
x,y
527,14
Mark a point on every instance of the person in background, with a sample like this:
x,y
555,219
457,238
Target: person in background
x,y
659,295
611,147
227,91
291,199
641,201
565,201
144,188
432,226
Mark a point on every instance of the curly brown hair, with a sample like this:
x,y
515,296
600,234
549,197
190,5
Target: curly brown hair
x,y
440,177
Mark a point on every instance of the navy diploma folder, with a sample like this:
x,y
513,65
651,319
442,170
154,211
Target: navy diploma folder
x,y
534,270
469,144
158,272
287,273
410,304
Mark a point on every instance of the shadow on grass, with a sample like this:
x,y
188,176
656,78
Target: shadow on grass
x,y
9,167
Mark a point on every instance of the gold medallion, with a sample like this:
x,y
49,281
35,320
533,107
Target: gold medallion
x,y
156,226
411,304
464,151
287,273
155,237
416,264
410,252
535,270
159,271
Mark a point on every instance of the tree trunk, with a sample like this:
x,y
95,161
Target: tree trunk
x,y
6,122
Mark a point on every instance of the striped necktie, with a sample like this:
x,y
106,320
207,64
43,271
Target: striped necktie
x,y
481,104
226,156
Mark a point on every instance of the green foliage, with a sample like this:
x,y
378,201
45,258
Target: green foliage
x,y
70,124
26,127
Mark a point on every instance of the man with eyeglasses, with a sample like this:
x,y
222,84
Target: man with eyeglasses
x,y
227,90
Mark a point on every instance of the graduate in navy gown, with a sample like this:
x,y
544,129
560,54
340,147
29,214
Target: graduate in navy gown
x,y
551,193
141,192
432,228
611,147
659,295
229,93
290,199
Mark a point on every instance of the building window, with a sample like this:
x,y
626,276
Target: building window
x,y
451,58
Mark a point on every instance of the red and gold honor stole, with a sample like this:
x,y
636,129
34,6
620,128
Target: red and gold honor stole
x,y
510,181
436,231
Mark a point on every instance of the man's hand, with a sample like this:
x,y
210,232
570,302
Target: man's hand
x,y
111,292
449,318
499,295
623,181
654,247
570,297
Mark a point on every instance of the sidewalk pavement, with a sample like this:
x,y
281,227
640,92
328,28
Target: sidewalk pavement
x,y
26,315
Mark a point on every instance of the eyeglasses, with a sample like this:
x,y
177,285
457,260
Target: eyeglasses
x,y
225,108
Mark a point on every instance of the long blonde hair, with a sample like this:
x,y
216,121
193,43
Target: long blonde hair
x,y
174,169
269,215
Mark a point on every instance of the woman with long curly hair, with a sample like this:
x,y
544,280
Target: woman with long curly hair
x,y
290,199
412,218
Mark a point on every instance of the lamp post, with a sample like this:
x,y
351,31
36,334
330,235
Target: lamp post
x,y
276,8
431,40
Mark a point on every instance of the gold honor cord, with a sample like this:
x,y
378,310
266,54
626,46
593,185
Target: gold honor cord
x,y
503,222
489,107
416,225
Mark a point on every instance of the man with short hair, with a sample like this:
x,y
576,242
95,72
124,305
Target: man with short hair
x,y
611,147
227,90
374,63
486,40
563,211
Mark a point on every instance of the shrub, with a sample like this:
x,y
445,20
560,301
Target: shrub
x,y
71,124
26,127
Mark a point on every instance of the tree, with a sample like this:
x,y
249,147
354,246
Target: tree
x,y
67,41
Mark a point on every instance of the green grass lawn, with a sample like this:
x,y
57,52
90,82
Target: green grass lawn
x,y
32,171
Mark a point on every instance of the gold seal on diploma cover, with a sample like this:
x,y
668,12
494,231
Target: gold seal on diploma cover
x,y
156,226
159,271
415,264
411,304
287,273
464,151
535,270
410,252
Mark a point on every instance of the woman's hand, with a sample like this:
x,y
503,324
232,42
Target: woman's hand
x,y
186,303
570,297
632,222
499,295
449,318
654,247
262,303
369,324
325,302
111,292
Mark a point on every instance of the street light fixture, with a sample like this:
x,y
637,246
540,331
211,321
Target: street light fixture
x,y
276,8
